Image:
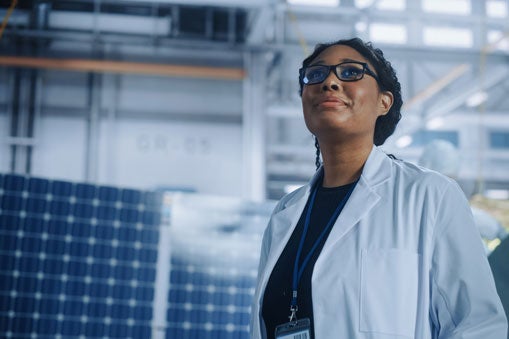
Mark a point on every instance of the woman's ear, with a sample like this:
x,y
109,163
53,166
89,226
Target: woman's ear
x,y
386,100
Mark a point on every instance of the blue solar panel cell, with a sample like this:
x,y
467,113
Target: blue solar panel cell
x,y
62,189
99,290
146,274
142,293
81,230
75,287
119,311
99,270
7,263
102,251
38,186
152,198
85,211
147,255
71,328
53,266
10,222
129,215
77,269
36,205
58,227
23,324
14,182
118,331
47,326
151,218
5,304
55,247
97,310
141,331
79,249
104,232
72,308
49,306
122,272
127,234
60,208
125,253
34,225
124,292
12,203
110,194
149,236
50,286
9,242
129,196
106,213
142,313
27,264
95,329
85,191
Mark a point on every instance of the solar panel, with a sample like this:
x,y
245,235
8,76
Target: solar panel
x,y
81,260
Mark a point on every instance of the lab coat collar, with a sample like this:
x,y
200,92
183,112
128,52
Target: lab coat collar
x,y
377,170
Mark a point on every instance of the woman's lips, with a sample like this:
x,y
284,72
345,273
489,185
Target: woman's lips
x,y
331,102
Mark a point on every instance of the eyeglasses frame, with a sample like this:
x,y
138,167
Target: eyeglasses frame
x,y
333,68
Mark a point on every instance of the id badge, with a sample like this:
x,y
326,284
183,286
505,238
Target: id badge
x,y
298,329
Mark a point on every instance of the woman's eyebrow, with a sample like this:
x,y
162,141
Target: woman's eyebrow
x,y
321,62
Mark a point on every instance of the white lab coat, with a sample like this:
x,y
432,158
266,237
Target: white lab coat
x,y
403,260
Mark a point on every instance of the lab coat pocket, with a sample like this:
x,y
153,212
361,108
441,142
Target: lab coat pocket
x,y
389,287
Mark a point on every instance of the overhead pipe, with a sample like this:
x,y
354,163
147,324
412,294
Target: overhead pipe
x,y
124,67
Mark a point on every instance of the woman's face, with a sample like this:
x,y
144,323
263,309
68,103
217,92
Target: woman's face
x,y
335,110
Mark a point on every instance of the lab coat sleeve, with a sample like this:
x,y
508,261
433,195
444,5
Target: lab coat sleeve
x,y
464,300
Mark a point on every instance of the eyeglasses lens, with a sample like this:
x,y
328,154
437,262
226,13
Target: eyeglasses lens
x,y
345,72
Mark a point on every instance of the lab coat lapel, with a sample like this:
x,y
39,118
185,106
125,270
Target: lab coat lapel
x,y
283,224
364,197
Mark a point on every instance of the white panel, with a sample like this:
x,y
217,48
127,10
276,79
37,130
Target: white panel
x,y
59,152
180,95
149,155
109,23
64,89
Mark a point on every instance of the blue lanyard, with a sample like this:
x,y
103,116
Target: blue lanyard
x,y
297,272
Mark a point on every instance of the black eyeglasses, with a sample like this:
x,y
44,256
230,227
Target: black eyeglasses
x,y
345,71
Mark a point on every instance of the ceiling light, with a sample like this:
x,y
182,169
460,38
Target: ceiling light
x,y
435,123
476,99
404,141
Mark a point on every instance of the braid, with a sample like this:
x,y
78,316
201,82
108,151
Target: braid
x,y
317,159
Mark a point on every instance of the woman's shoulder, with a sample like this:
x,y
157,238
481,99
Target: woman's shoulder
x,y
417,175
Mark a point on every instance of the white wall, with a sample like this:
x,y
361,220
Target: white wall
x,y
59,152
205,157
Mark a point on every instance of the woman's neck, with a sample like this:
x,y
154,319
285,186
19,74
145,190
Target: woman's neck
x,y
343,164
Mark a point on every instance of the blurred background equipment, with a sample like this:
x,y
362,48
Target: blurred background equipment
x,y
80,260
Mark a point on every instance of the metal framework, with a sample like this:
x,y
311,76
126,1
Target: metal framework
x,y
261,43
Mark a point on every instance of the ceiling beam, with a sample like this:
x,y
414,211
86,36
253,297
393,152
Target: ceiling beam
x,y
123,67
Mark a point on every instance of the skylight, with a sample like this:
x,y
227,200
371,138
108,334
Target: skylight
x,y
459,7
497,38
326,3
496,8
394,5
447,36
390,33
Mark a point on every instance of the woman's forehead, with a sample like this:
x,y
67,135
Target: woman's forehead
x,y
339,53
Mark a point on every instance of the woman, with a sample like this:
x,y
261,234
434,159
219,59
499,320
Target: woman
x,y
372,247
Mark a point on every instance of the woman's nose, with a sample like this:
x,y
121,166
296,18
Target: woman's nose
x,y
331,82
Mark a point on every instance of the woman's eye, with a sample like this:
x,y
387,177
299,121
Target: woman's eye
x,y
350,72
314,74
